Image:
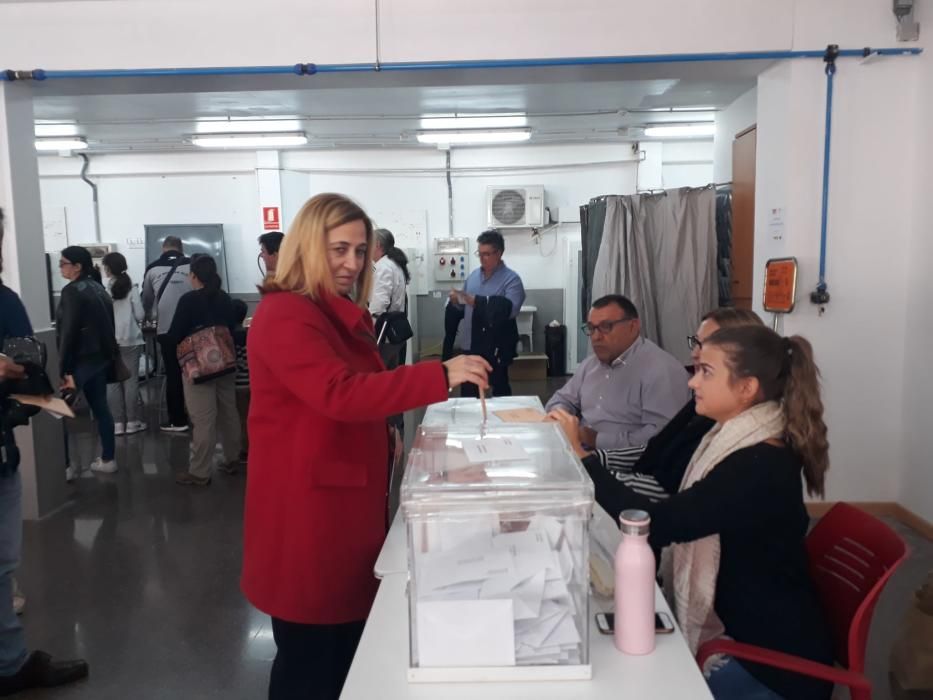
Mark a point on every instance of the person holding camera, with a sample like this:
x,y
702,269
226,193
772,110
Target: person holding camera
x,y
20,669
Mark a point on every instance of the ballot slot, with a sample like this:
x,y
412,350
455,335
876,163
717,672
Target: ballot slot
x,y
497,519
500,410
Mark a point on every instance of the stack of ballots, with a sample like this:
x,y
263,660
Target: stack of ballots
x,y
497,520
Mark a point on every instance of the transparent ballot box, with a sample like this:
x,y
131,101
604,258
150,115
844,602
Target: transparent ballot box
x,y
498,554
499,410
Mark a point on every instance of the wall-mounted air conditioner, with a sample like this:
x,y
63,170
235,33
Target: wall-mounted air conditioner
x,y
515,207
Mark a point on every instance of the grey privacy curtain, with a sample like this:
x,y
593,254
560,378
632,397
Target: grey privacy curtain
x,y
660,251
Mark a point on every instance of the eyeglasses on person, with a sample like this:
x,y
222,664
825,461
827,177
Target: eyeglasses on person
x,y
604,328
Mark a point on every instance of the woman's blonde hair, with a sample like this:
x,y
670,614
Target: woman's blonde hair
x,y
302,265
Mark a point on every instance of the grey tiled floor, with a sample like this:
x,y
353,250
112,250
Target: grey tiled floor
x,y
140,576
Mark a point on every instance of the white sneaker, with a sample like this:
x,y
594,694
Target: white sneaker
x,y
71,473
99,465
119,429
135,426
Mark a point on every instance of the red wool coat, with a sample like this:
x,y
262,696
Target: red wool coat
x,y
315,495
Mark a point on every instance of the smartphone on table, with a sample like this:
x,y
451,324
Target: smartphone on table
x,y
605,623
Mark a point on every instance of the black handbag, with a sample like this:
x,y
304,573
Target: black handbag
x,y
393,328
118,371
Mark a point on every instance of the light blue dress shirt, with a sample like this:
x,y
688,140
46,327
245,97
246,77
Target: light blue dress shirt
x,y
629,401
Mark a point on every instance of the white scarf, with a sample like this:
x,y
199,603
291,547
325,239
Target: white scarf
x,y
693,567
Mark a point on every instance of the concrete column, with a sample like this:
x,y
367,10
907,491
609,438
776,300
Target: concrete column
x,y
42,441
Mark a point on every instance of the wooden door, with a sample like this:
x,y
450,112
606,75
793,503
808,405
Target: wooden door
x,y
743,217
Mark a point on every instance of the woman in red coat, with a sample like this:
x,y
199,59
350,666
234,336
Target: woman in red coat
x,y
319,450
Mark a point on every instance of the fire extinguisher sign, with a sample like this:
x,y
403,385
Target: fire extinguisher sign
x,y
271,221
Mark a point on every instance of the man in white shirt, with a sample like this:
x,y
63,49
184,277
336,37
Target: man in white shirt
x,y
390,267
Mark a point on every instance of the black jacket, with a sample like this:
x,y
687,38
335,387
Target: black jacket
x,y
201,309
85,326
494,334
764,595
668,453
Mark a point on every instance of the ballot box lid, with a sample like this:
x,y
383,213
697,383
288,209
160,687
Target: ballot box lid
x,y
493,468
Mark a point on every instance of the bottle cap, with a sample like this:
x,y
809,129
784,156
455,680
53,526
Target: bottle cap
x,y
634,522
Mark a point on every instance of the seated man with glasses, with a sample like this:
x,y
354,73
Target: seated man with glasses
x,y
629,388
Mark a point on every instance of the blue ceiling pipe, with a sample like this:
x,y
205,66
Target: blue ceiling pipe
x,y
312,69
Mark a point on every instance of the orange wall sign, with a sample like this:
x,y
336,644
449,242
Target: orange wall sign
x,y
780,285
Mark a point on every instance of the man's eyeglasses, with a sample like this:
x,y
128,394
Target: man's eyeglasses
x,y
604,328
485,255
694,343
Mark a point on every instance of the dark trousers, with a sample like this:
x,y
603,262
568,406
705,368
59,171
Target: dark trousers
x,y
93,382
174,391
392,358
312,661
498,382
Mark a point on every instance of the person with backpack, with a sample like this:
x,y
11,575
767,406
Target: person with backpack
x,y
165,283
201,337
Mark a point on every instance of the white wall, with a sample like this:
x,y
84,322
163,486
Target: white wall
x,y
136,190
182,33
916,488
168,33
859,339
737,117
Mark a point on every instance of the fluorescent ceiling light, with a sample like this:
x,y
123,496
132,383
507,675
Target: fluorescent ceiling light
x,y
297,138
680,109
75,144
247,126
675,130
474,121
57,130
474,136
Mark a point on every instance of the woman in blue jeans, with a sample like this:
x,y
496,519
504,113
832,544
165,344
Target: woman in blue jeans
x,y
20,668
87,344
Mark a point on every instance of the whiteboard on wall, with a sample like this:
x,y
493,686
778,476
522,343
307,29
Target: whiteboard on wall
x,y
410,230
55,228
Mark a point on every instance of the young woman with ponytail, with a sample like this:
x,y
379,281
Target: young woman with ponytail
x,y
128,318
212,404
736,563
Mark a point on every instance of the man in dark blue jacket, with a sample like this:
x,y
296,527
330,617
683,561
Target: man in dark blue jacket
x,y
19,668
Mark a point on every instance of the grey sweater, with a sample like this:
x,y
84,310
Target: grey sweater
x,y
176,288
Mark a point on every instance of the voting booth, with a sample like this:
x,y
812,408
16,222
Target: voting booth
x,y
497,520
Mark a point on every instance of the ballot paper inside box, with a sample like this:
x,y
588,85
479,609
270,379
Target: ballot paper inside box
x,y
497,520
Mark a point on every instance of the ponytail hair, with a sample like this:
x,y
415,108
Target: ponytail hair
x,y
205,269
387,241
786,373
122,284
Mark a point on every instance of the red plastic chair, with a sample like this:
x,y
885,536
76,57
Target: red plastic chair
x,y
852,555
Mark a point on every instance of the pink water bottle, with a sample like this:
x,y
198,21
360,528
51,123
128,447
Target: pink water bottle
x,y
634,595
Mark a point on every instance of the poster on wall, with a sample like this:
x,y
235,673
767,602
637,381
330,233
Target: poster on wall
x,y
55,228
780,285
410,230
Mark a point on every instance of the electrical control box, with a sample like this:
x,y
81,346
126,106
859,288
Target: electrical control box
x,y
451,259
